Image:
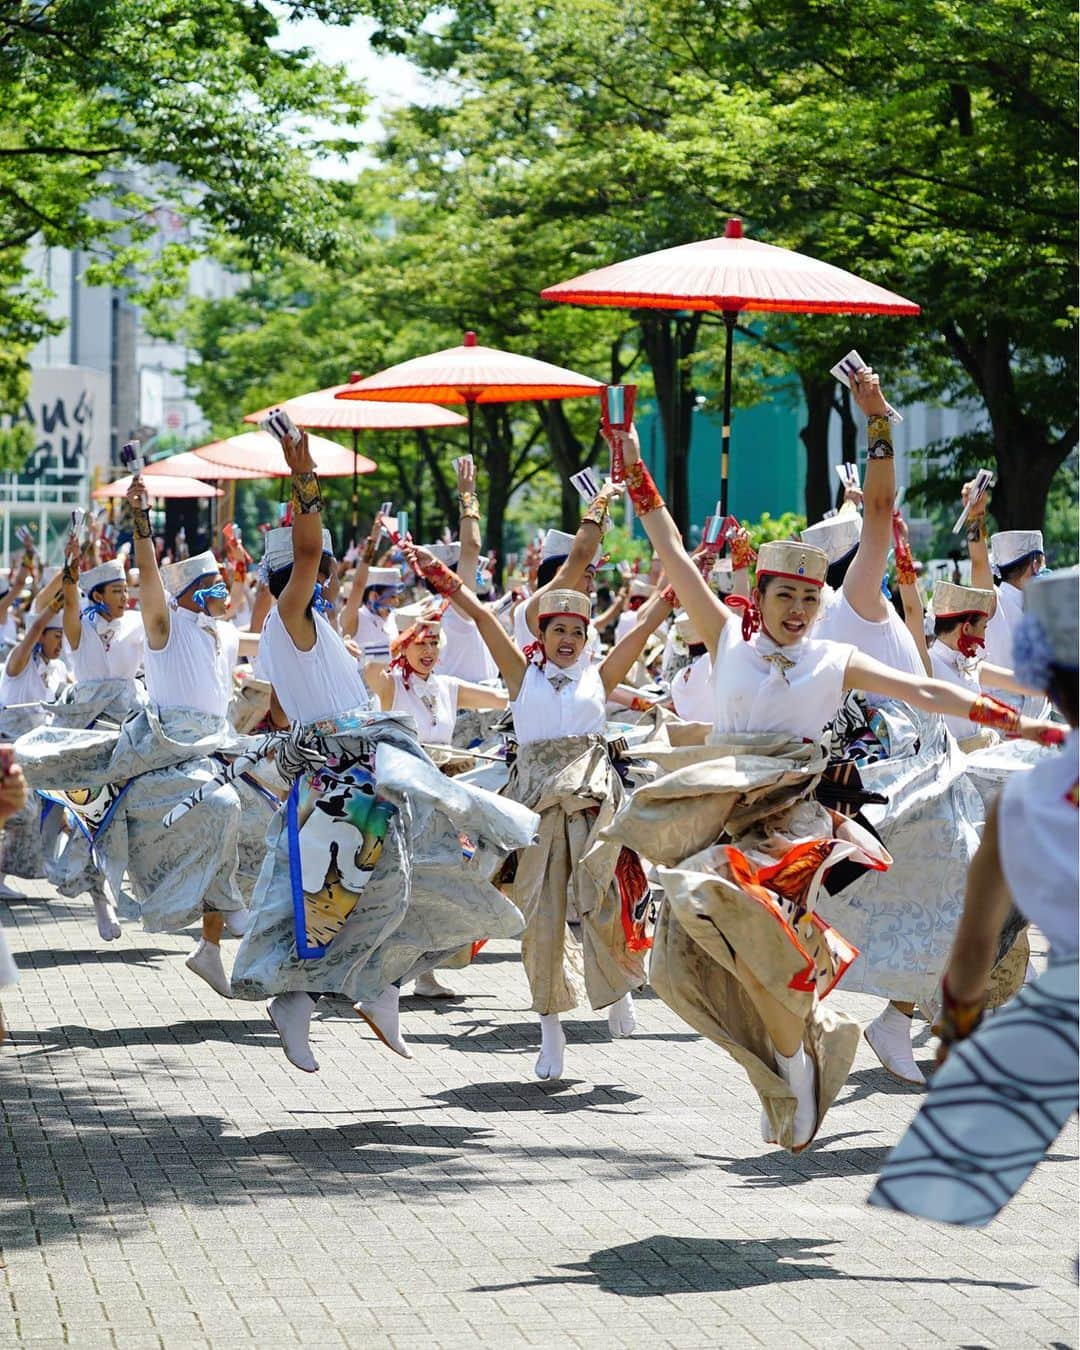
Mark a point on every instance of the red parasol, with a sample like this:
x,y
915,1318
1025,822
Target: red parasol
x,y
187,464
322,409
729,275
161,487
261,453
471,374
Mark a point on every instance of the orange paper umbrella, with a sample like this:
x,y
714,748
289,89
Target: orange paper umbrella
x,y
160,487
187,464
261,453
471,374
324,410
729,275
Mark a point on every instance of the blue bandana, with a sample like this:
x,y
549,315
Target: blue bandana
x,y
319,602
218,591
96,609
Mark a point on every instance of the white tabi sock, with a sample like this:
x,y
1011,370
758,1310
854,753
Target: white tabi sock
x,y
549,1062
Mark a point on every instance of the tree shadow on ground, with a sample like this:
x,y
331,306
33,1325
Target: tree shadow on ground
x,y
87,1161
658,1266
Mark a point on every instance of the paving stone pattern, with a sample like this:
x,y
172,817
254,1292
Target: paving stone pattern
x,y
167,1180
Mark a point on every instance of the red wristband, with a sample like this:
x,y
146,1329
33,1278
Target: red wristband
x,y
991,712
442,579
642,490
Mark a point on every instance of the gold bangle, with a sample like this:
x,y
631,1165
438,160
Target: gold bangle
x,y
306,497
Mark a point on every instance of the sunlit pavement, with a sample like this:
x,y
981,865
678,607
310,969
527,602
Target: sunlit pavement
x,y
169,1180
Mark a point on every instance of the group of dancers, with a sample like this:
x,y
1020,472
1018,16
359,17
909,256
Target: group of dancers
x,y
780,778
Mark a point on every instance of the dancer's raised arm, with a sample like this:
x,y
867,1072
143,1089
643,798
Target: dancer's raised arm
x,y
708,612
502,647
620,660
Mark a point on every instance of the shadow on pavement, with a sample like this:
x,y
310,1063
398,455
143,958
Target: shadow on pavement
x,y
45,958
659,1266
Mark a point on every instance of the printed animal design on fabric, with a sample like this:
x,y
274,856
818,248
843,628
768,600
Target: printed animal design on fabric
x,y
342,825
91,806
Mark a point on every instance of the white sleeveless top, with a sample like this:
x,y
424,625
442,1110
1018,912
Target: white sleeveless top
x,y
373,631
692,692
751,694
431,703
39,682
553,703
999,628
887,641
324,682
108,648
999,640
962,671
1037,844
466,654
195,667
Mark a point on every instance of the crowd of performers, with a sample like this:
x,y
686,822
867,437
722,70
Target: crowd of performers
x,y
746,781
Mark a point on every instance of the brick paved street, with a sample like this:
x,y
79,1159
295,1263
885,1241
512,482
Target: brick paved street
x,y
169,1181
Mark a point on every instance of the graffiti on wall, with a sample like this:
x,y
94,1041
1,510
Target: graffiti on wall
x,y
68,413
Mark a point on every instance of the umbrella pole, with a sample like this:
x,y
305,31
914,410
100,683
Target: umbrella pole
x,y
730,317
355,492
470,410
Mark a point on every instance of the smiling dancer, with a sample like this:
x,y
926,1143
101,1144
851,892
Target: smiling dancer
x,y
742,847
563,771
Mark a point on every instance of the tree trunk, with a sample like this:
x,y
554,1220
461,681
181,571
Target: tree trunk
x,y
669,343
444,495
498,441
818,392
849,435
1026,451
569,456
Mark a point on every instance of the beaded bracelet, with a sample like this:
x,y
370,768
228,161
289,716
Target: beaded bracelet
x,y
468,505
879,435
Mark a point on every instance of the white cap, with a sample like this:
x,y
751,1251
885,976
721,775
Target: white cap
x,y
56,622
383,576
557,544
641,589
278,548
1053,601
429,611
1011,545
449,554
178,576
102,575
837,536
